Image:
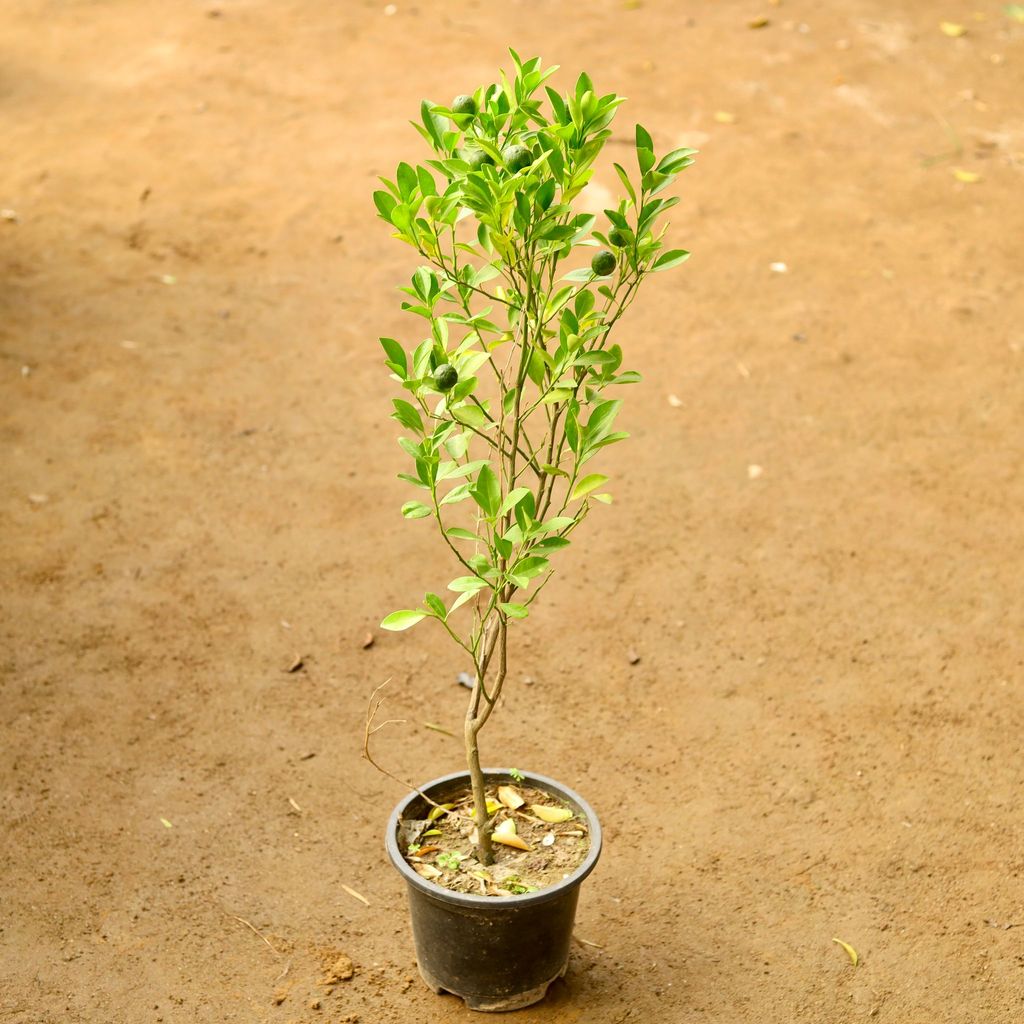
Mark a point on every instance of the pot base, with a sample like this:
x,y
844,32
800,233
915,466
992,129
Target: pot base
x,y
516,1002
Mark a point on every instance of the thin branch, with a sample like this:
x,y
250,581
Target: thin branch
x,y
372,708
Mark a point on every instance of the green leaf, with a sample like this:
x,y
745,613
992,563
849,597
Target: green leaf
x,y
407,181
536,366
459,493
435,124
549,544
407,415
416,510
471,415
436,605
584,303
624,178
672,258
451,471
385,203
397,621
643,138
415,481
557,395
514,611
457,445
526,569
467,584
605,499
596,358
513,498
555,525
486,491
396,356
460,534
426,182
580,274
587,484
676,160
600,421
545,194
466,595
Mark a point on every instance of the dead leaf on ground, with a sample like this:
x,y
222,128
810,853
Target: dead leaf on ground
x,y
510,797
850,951
440,809
552,815
967,177
367,641
505,834
297,663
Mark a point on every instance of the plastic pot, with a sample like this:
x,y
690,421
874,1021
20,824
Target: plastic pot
x,y
495,953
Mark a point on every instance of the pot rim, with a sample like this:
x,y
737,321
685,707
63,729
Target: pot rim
x,y
464,899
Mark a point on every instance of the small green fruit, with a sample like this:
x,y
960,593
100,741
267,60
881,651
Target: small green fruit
x,y
618,238
475,157
603,263
445,377
464,105
516,157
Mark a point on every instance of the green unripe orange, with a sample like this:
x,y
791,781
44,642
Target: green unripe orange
x,y
603,263
516,157
464,105
476,157
445,377
618,238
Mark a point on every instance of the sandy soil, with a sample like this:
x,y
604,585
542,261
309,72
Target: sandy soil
x,y
823,735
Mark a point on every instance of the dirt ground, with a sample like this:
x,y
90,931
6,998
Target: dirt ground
x,y
815,550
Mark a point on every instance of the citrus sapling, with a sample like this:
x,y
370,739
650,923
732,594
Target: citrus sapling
x,y
510,389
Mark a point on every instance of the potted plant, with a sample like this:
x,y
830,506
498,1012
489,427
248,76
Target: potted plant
x,y
506,400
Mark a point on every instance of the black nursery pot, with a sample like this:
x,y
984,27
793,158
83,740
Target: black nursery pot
x,y
496,953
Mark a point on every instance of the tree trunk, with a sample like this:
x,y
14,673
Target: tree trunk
x,y
485,849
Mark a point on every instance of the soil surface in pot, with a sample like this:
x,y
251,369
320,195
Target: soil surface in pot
x,y
538,841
